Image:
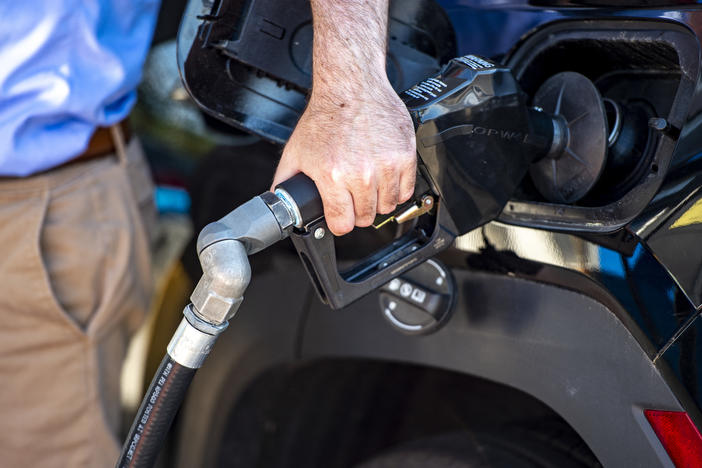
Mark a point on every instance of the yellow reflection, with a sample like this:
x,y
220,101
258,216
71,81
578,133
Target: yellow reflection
x,y
690,217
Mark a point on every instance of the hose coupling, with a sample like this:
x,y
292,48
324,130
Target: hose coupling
x,y
194,339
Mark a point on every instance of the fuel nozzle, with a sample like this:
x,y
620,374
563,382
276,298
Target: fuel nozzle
x,y
477,135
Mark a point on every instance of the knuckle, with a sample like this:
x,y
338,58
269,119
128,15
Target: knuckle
x,y
387,170
387,204
390,198
335,211
332,208
359,175
390,192
363,207
339,216
365,215
363,178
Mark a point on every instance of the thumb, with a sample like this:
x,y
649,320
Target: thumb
x,y
286,169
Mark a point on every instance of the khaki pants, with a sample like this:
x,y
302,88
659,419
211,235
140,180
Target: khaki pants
x,y
74,283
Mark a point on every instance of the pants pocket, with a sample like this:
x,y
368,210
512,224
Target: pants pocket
x,y
73,250
26,295
90,247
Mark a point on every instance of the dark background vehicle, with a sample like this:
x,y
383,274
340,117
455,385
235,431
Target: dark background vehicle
x,y
568,320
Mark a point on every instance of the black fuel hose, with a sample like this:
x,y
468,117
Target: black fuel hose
x,y
155,415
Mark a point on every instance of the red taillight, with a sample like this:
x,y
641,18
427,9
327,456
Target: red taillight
x,y
678,435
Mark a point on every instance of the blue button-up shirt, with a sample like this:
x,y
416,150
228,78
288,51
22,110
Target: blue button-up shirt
x,y
66,67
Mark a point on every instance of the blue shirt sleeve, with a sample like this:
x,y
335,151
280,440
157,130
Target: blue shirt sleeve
x,y
68,66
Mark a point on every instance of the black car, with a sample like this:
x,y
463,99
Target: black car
x,y
565,332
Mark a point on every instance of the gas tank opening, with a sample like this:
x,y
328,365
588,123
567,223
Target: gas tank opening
x,y
641,71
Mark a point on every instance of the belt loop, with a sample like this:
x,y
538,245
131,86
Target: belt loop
x,y
118,140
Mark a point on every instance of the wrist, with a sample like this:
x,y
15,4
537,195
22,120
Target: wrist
x,y
352,93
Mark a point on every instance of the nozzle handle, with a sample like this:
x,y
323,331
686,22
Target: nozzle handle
x,y
316,246
302,192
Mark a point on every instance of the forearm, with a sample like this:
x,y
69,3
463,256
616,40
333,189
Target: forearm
x,y
350,40
355,139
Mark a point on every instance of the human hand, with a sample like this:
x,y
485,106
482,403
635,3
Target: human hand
x,y
359,149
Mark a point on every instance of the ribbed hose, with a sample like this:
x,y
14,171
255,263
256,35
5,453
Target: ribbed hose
x,y
155,415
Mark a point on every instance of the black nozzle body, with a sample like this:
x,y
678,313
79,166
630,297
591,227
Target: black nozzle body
x,y
304,194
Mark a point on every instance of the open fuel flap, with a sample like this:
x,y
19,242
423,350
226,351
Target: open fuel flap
x,y
645,74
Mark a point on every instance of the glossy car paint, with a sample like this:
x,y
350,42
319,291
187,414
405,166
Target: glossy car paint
x,y
655,271
668,229
599,326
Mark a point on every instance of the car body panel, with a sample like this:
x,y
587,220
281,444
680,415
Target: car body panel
x,y
517,332
598,326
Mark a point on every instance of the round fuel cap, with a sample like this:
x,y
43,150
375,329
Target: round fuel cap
x,y
420,301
